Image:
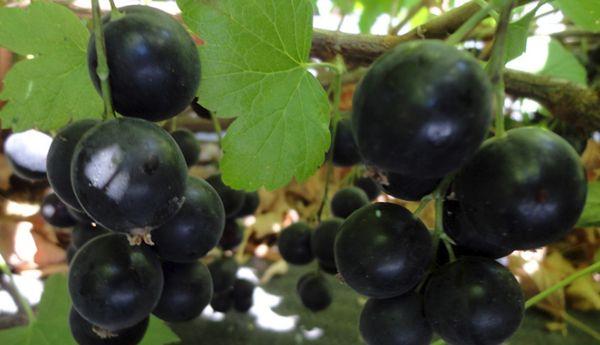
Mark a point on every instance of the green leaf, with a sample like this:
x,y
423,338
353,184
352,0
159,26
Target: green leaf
x,y
254,67
371,10
51,327
591,211
53,87
585,13
345,6
561,63
516,39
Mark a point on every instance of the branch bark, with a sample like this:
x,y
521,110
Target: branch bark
x,y
567,101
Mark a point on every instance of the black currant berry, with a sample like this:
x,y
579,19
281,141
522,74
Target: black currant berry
x,y
26,153
233,235
233,200
223,272
195,229
398,320
79,216
347,200
294,244
250,205
59,157
55,212
523,190
474,301
345,152
84,232
382,250
242,294
128,175
369,186
187,291
323,239
153,62
467,238
314,291
189,146
407,187
86,333
422,110
115,285
222,301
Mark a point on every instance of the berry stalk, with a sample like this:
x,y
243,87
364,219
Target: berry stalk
x,y
23,304
102,69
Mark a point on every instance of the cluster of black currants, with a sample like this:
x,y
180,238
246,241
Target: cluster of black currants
x,y
420,117
230,291
144,223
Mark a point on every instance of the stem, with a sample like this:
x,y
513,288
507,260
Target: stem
x,y
495,68
483,3
23,304
424,202
239,255
336,87
568,280
439,342
114,12
439,195
217,126
469,25
102,69
412,12
341,22
570,320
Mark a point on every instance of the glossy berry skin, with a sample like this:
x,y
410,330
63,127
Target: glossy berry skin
x,y
242,294
79,216
294,244
128,174
524,190
474,301
55,212
84,334
58,165
233,199
398,320
233,235
382,251
314,292
345,152
467,238
249,207
223,272
115,285
422,110
369,186
222,301
347,200
153,62
187,291
323,239
408,187
26,153
195,229
189,146
85,232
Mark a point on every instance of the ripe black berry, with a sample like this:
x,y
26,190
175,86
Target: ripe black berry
x,y
347,200
314,291
188,145
153,62
294,244
55,212
382,250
